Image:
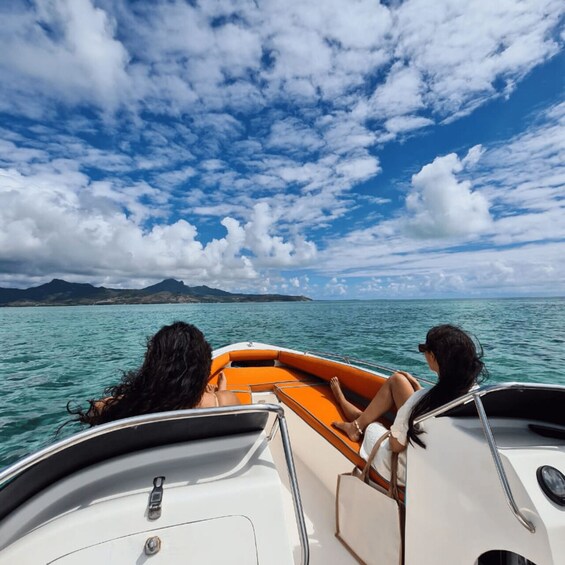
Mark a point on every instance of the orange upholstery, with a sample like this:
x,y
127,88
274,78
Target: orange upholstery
x,y
352,378
218,363
254,355
295,384
316,406
356,380
260,379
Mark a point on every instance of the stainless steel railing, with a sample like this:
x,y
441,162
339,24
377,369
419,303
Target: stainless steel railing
x,y
16,469
475,396
354,361
499,467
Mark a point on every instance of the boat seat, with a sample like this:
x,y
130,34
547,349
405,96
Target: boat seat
x,y
317,407
102,443
219,362
260,379
352,378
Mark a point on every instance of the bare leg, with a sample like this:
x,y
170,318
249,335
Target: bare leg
x,y
394,392
350,410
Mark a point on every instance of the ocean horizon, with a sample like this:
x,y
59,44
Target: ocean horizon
x,y
58,354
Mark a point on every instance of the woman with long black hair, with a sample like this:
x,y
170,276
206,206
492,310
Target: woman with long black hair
x,y
449,352
174,376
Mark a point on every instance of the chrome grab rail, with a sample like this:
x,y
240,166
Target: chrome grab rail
x,y
17,468
499,467
352,360
475,396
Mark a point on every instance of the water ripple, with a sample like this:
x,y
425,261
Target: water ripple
x,y
50,356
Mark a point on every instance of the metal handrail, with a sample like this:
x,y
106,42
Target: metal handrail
x,y
499,467
475,396
17,468
352,360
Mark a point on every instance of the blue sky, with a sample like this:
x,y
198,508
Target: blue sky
x,y
337,149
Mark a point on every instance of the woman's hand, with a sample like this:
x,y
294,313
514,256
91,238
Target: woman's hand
x,y
412,380
395,445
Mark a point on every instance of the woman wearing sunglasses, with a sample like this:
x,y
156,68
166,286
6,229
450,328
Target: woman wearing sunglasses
x,y
449,352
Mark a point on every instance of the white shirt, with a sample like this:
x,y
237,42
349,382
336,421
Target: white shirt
x,y
399,430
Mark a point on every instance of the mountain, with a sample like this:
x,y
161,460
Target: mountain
x,y
62,293
178,287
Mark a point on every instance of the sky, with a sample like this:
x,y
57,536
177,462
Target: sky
x,y
343,149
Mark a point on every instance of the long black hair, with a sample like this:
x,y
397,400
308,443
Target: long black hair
x,y
173,376
460,367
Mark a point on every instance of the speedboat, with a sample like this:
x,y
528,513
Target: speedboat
x,y
256,483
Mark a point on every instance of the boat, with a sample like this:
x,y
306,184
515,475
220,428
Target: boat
x,y
256,483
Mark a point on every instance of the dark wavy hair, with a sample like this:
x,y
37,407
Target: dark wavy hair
x,y
460,367
173,376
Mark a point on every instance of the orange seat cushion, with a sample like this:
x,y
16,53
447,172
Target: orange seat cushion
x,y
219,362
260,379
356,380
317,407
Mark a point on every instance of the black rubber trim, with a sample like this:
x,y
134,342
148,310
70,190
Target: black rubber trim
x,y
544,406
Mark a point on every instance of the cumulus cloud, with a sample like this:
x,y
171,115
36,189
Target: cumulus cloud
x,y
336,287
60,223
152,128
67,48
440,205
517,221
273,250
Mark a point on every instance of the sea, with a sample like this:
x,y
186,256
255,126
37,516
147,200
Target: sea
x,y
52,356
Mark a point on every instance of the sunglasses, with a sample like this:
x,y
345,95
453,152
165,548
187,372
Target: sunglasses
x,y
422,348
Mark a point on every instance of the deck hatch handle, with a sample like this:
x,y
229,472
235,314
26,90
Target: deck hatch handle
x,y
155,499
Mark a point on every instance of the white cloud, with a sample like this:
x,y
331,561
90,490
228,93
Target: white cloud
x,y
60,223
264,117
291,134
401,93
273,250
68,48
440,205
400,124
521,238
336,287
462,48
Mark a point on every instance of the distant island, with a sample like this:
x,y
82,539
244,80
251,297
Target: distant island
x,y
63,293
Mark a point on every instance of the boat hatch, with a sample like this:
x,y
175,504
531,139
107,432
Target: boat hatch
x,y
27,480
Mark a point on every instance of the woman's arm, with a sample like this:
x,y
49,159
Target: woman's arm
x,y
415,384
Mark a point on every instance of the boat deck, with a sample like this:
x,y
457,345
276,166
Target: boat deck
x,y
306,394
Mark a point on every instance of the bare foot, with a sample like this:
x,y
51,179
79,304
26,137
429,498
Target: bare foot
x,y
349,429
222,382
350,410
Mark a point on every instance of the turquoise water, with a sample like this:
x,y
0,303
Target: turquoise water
x,y
49,356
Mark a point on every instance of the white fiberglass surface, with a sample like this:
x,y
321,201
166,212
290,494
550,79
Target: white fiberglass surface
x,y
107,507
195,542
317,464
